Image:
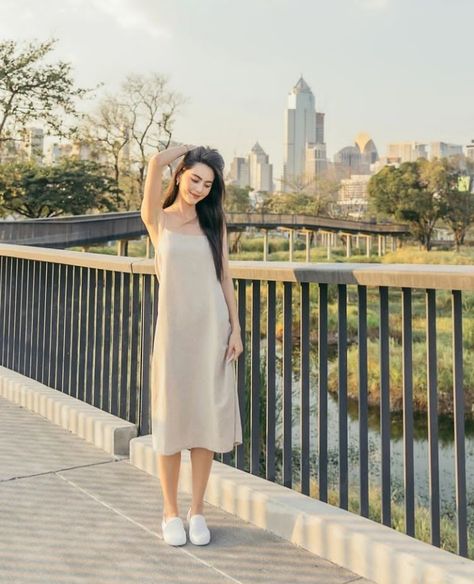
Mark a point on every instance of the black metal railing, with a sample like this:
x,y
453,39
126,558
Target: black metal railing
x,y
84,324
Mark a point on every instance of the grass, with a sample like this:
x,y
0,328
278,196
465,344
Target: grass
x,y
251,249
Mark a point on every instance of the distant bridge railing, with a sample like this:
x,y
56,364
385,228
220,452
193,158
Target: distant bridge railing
x,y
83,323
61,232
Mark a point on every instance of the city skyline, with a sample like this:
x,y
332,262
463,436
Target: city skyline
x,y
369,66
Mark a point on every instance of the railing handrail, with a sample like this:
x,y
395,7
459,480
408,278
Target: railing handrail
x,y
423,276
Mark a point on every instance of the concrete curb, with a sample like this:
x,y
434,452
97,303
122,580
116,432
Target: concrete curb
x,y
100,428
358,544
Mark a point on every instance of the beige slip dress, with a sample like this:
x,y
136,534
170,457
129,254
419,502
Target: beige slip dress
x,y
194,396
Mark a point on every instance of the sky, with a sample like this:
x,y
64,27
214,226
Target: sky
x,y
399,70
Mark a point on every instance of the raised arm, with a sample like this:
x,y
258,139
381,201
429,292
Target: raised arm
x,y
152,203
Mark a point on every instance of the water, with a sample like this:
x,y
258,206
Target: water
x,y
420,447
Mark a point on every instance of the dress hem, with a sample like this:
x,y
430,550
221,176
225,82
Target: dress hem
x,y
158,451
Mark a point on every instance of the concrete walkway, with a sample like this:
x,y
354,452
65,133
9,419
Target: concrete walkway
x,y
70,512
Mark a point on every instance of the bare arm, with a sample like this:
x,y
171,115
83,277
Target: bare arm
x,y
152,203
228,286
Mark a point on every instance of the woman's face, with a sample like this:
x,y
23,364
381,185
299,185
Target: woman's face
x,y
195,183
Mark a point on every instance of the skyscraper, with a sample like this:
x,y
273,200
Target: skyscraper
x,y
261,178
407,151
304,147
444,150
33,143
470,150
254,170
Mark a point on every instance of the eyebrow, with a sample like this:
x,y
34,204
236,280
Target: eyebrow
x,y
194,174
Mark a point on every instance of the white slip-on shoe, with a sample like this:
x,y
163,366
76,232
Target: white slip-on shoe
x,y
173,531
199,533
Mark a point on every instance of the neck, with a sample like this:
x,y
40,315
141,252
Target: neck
x,y
187,211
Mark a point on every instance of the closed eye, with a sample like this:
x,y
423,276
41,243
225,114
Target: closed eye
x,y
196,181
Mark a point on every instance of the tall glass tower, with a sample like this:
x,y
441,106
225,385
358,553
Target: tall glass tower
x,y
304,133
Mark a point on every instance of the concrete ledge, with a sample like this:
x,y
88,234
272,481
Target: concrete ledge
x,y
108,432
367,548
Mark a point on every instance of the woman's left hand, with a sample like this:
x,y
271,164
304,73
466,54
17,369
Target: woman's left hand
x,y
234,347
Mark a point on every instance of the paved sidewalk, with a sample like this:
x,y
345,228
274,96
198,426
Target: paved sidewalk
x,y
69,512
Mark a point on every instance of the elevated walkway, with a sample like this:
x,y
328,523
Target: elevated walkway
x,y
71,512
89,509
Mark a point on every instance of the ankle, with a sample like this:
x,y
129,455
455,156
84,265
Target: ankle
x,y
169,514
197,509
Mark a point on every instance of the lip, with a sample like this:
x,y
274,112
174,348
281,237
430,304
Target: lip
x,y
195,196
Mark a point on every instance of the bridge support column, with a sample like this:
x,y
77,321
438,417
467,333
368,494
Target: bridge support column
x,y
265,245
394,243
368,240
290,241
308,246
357,241
379,241
348,245
122,247
328,243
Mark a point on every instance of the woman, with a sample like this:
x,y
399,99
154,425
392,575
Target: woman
x,y
197,337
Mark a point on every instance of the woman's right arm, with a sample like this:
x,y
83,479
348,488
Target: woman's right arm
x,y
151,207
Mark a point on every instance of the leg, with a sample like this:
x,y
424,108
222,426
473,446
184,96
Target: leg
x,y
201,462
168,467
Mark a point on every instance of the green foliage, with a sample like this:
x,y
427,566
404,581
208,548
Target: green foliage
x,y
422,193
420,395
237,199
31,89
306,198
71,187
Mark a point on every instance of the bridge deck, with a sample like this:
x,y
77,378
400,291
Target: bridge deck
x,y
72,513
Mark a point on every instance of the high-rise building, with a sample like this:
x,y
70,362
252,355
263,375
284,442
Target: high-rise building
x,y
319,128
9,151
240,172
254,170
352,195
367,148
261,173
78,149
33,143
316,160
304,147
470,150
444,150
358,158
407,151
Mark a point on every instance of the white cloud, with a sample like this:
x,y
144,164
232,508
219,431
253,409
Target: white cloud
x,y
138,15
142,16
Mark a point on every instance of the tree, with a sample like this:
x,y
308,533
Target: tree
x,y
414,192
107,133
311,195
460,215
127,127
71,187
459,199
33,90
151,108
237,199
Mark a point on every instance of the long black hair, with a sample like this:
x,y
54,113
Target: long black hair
x,y
210,210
